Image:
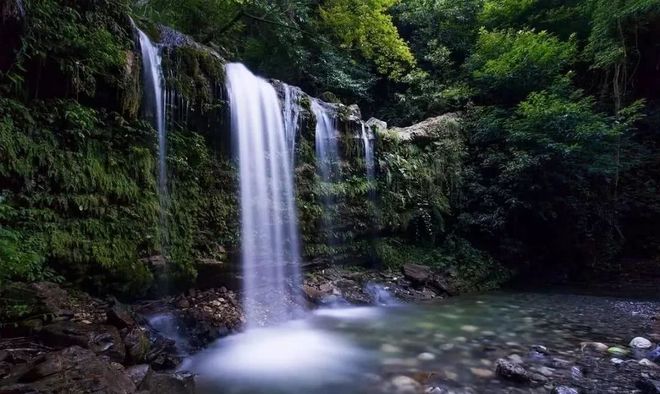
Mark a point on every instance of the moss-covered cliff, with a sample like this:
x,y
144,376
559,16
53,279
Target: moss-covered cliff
x,y
78,196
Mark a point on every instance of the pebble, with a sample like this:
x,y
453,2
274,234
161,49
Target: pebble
x,y
482,373
404,385
617,351
545,371
387,348
469,328
426,356
640,343
616,361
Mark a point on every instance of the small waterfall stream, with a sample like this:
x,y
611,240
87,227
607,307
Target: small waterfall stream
x,y
327,152
270,242
291,115
368,152
154,108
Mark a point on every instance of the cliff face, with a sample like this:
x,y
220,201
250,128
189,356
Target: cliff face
x,y
78,162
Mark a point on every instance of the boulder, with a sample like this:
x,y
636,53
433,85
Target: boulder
x,y
430,129
511,371
376,124
418,274
640,343
101,339
169,383
72,370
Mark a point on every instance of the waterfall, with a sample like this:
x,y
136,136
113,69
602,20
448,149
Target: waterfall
x,y
270,244
368,153
291,118
154,108
325,139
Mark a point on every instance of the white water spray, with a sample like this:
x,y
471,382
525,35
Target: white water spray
x,y
269,230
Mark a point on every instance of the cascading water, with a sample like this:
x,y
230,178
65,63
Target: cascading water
x,y
368,153
154,108
326,139
269,230
291,118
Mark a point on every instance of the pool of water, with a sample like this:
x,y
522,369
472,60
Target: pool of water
x,y
453,345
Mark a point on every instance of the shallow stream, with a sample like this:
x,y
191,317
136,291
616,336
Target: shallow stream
x,y
448,346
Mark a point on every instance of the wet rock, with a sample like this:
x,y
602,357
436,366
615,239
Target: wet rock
x,y
640,343
169,383
616,361
511,371
120,316
648,386
72,370
137,345
101,339
403,385
564,390
163,354
595,346
429,129
137,373
418,274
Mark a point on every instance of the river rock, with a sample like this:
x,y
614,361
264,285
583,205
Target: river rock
x,y
426,356
514,358
564,390
418,274
617,351
648,386
101,339
403,385
640,343
72,370
511,371
169,383
596,346
482,373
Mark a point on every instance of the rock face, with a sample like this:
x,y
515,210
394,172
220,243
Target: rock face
x,y
166,383
418,274
72,370
101,339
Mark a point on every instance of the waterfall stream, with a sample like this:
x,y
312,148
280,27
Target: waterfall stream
x,y
154,109
269,230
368,152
